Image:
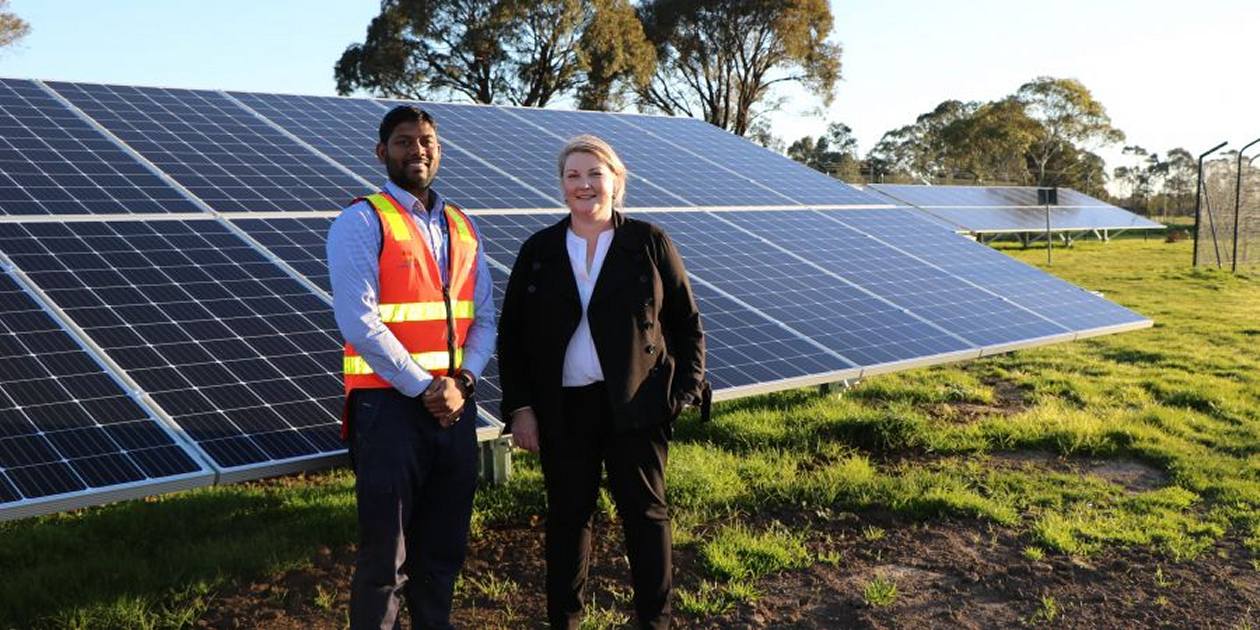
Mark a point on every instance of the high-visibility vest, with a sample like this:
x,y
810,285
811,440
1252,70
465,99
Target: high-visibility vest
x,y
430,320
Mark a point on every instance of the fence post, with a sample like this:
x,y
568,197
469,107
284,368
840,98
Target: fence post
x,y
1233,259
1198,193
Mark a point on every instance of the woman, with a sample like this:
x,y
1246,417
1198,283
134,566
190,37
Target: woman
x,y
600,348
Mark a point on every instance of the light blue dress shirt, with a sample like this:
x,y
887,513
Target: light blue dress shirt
x,y
354,245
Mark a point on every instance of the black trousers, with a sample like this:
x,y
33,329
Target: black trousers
x,y
414,483
573,451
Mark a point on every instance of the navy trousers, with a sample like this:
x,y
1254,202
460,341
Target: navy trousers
x,y
414,483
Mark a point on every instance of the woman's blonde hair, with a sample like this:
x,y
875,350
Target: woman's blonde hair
x,y
587,143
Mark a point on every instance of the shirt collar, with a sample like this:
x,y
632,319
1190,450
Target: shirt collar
x,y
408,200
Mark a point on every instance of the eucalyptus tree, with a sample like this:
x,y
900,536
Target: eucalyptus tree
x,y
721,60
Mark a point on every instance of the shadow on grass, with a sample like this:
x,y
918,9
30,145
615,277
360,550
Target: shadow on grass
x,y
96,559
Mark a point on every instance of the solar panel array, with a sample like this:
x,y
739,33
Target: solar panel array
x,y
1002,209
165,315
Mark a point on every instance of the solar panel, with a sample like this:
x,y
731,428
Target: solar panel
x,y
1067,305
220,152
676,177
239,354
864,328
53,162
996,209
977,315
68,429
996,220
346,130
801,184
298,241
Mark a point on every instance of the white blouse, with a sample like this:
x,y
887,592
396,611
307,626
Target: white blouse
x,y
581,363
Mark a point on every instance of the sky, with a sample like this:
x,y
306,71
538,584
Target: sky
x,y
1171,74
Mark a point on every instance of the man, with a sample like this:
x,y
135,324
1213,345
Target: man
x,y
412,297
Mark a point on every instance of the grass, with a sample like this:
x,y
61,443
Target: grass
x,y
880,592
1181,399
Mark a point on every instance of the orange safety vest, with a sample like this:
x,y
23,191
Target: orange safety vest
x,y
430,320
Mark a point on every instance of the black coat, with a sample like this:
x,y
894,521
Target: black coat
x,y
643,320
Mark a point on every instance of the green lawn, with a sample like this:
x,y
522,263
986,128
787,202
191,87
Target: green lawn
x,y
1182,398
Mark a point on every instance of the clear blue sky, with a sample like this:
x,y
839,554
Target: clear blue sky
x,y
1170,73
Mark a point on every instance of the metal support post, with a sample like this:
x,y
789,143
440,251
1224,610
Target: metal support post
x,y
1233,261
1198,195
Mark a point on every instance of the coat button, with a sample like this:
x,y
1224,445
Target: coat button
x,y
650,349
536,266
642,277
531,288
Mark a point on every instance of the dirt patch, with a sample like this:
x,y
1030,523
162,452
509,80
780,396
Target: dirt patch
x,y
1008,399
950,573
1131,474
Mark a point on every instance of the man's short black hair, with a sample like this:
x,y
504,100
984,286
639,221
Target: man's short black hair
x,y
402,114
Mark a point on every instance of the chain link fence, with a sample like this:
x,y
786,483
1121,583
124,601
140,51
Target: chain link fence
x,y
1229,223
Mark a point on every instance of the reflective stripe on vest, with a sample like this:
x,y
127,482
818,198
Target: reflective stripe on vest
x,y
424,311
431,361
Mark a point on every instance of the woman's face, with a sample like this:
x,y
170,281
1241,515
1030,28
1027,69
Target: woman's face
x,y
588,186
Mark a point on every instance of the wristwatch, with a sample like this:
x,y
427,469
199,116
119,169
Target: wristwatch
x,y
467,383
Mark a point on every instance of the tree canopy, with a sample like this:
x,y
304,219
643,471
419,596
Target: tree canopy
x,y
834,153
1069,117
488,51
720,59
1043,134
12,27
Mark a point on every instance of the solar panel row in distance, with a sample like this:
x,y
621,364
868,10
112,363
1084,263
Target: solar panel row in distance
x,y
52,162
70,434
998,209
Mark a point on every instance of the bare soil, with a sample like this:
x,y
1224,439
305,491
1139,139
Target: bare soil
x,y
948,574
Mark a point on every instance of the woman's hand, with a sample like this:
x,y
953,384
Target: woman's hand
x,y
525,429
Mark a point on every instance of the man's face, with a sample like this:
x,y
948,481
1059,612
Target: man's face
x,y
411,155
